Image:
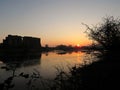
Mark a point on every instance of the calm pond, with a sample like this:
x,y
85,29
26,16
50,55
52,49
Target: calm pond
x,y
45,64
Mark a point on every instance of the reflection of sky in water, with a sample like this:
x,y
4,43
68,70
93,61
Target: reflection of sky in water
x,y
50,62
45,65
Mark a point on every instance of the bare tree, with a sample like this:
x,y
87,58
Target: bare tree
x,y
107,33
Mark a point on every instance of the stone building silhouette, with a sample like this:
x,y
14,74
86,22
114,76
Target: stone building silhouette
x,y
31,42
15,41
12,41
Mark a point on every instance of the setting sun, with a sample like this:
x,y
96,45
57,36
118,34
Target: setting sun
x,y
78,45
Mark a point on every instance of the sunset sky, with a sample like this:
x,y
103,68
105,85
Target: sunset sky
x,y
54,21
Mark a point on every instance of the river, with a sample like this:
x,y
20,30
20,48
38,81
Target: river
x,y
46,64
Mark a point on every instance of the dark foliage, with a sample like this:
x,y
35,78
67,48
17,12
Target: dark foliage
x,y
64,48
103,74
107,33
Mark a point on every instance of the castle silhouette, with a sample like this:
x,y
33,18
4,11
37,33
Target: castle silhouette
x,y
19,42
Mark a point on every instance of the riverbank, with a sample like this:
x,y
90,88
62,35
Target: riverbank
x,y
100,75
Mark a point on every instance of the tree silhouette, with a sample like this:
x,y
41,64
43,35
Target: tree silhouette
x,y
107,33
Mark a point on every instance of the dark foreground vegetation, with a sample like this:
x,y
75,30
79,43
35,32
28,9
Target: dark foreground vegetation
x,y
103,74
100,75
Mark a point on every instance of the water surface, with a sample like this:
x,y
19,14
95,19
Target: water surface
x,y
45,64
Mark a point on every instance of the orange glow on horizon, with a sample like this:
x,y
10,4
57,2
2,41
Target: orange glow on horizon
x,y
80,43
73,40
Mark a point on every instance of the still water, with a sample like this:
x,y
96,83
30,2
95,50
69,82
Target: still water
x,y
45,64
